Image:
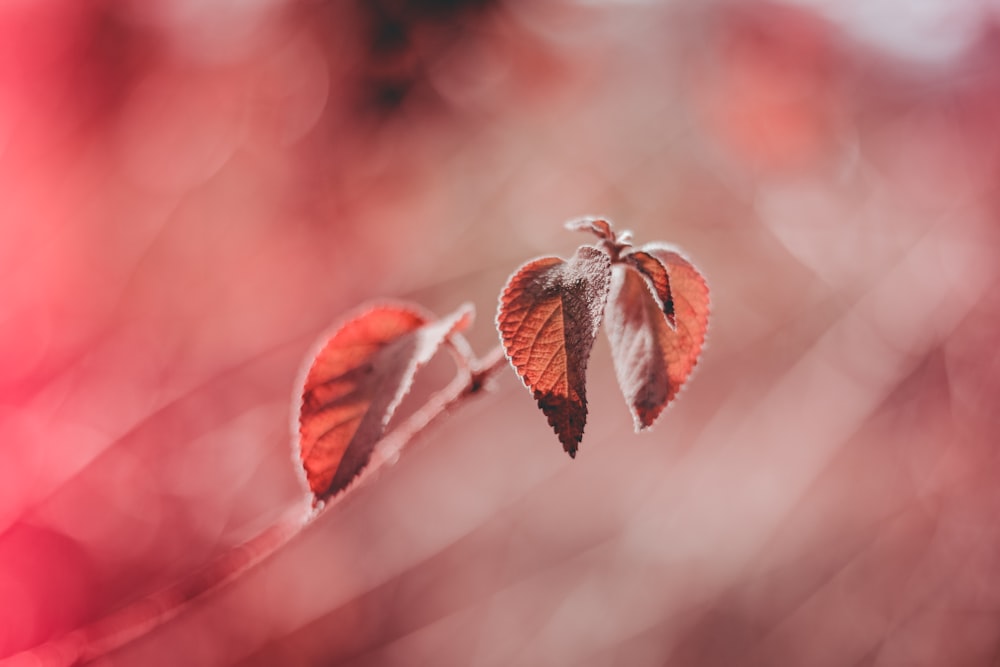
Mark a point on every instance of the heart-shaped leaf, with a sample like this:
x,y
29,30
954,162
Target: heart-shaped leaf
x,y
653,357
357,381
549,315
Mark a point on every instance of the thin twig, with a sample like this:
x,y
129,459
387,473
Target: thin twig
x,y
140,618
462,387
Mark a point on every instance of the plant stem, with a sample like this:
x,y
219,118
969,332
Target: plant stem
x,y
139,618
463,386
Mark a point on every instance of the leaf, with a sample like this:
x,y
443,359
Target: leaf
x,y
653,359
656,273
355,384
600,228
549,315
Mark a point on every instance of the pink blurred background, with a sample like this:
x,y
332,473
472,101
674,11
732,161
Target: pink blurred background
x,y
192,191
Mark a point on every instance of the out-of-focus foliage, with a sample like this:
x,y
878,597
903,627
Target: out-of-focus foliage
x,y
190,192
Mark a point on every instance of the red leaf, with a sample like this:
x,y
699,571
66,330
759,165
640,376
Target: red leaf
x,y
600,228
656,273
549,315
652,359
356,383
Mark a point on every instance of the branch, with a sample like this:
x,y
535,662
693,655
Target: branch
x,y
480,372
139,618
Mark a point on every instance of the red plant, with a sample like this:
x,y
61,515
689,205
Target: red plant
x,y
655,306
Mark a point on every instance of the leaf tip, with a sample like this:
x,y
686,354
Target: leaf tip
x,y
566,415
644,416
463,316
